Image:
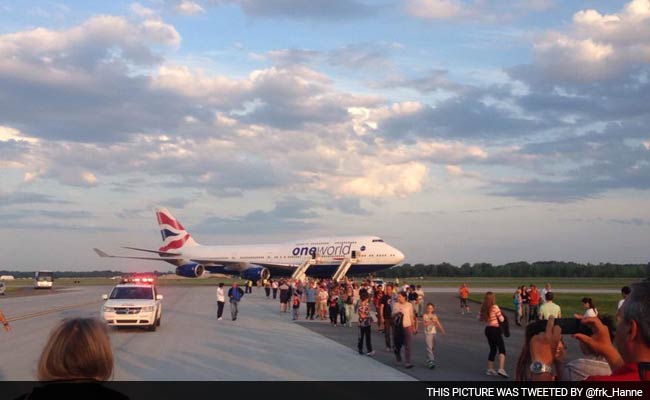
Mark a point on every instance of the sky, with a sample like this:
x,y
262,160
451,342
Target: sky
x,y
457,130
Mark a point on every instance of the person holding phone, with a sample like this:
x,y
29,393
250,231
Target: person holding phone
x,y
630,350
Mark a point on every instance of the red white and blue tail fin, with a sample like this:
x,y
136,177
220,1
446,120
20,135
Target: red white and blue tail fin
x,y
174,236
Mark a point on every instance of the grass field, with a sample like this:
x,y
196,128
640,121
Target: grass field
x,y
570,303
558,283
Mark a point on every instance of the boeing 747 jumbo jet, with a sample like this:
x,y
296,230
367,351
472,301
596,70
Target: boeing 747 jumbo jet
x,y
319,257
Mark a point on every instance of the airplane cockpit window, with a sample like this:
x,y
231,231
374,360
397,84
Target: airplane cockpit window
x,y
377,241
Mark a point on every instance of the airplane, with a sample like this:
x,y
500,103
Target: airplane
x,y
316,257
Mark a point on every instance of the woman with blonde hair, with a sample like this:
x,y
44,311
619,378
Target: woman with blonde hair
x,y
491,315
78,352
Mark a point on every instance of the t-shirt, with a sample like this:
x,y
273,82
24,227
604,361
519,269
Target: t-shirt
x,y
591,312
221,296
364,314
534,297
549,309
464,292
386,301
628,372
310,295
429,325
620,304
494,317
582,368
322,296
407,310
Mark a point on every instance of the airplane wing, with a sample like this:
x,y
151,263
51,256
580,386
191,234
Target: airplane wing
x,y
106,255
160,253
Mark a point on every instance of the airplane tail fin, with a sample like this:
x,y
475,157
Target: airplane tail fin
x,y
174,236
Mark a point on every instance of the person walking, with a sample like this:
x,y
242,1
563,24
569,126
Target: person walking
x,y
297,295
386,310
267,288
463,293
349,303
221,300
406,325
333,302
309,294
249,286
420,300
284,296
274,288
365,323
430,321
525,305
491,315
533,303
516,302
322,302
235,294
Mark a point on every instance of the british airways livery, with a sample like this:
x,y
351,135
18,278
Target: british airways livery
x,y
317,257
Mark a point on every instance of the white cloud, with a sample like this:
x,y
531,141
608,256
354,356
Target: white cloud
x,y
188,7
597,46
142,11
436,9
379,181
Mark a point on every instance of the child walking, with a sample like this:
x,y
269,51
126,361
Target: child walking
x,y
297,294
431,322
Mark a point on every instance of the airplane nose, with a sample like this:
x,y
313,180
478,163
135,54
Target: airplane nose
x,y
399,256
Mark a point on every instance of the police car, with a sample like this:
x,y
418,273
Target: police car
x,y
133,302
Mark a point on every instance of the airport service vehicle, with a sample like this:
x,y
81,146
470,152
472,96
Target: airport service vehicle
x,y
43,280
318,257
135,304
2,288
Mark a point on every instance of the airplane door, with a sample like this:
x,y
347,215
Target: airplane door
x,y
353,256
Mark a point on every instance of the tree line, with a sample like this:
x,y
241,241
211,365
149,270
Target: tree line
x,y
521,269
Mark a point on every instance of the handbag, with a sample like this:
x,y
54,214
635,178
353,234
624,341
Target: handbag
x,y
505,326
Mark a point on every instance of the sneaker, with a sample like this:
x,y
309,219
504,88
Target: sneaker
x,y
219,319
370,353
408,366
388,349
491,372
432,365
502,372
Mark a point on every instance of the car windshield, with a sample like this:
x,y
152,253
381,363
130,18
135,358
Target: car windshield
x,y
132,293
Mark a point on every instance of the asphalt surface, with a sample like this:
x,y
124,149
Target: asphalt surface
x,y
461,354
191,344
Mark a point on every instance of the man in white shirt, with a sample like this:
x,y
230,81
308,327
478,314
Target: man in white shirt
x,y
625,291
221,300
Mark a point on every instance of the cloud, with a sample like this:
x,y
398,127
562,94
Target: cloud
x,y
474,10
380,181
7,199
187,7
299,9
596,47
288,215
435,80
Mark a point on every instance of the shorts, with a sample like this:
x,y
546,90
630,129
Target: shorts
x,y
463,302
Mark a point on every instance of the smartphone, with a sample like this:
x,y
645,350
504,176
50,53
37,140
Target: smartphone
x,y
570,326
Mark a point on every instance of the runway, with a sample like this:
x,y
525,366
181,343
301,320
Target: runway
x,y
191,344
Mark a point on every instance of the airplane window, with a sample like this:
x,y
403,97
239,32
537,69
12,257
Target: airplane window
x,y
377,241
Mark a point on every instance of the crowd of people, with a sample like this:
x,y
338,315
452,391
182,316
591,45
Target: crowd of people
x,y
79,349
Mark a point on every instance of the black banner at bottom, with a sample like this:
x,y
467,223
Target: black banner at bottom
x,y
185,390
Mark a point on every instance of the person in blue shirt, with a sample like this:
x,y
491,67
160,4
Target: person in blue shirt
x,y
235,294
310,299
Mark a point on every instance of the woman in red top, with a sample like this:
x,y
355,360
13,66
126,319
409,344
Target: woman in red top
x,y
491,315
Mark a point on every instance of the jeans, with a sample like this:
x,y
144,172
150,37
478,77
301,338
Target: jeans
x,y
334,311
534,309
234,309
219,308
408,333
349,310
342,315
430,342
267,291
388,325
275,293
311,309
364,331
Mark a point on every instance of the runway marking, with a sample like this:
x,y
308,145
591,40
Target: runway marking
x,y
51,311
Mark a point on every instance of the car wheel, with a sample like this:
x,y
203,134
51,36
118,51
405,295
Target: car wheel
x,y
152,327
158,321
